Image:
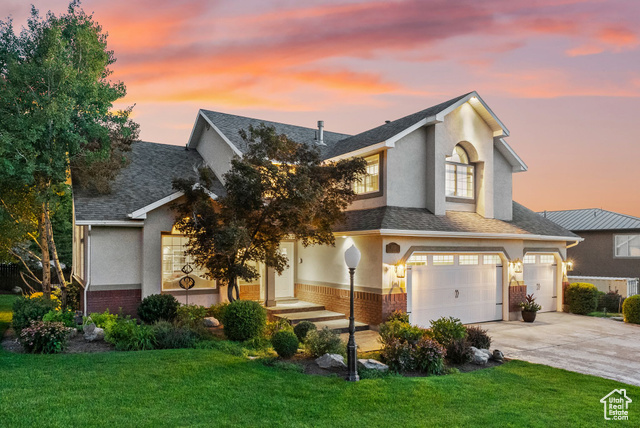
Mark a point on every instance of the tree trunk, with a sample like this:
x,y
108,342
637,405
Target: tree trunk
x,y
54,255
46,261
233,285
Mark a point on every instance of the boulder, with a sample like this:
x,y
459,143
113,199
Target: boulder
x,y
328,361
497,355
211,322
486,352
17,290
480,358
372,364
92,333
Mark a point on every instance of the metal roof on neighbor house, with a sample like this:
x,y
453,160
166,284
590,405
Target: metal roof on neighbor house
x,y
525,222
145,180
592,219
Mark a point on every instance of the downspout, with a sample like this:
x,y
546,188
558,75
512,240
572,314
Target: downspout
x,y
88,282
573,245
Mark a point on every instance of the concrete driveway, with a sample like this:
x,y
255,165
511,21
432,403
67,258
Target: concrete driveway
x,y
596,346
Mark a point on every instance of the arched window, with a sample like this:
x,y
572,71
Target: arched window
x,y
459,181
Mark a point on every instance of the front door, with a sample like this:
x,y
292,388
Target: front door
x,y
284,282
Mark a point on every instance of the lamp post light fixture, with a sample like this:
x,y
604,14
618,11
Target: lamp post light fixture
x,y
352,258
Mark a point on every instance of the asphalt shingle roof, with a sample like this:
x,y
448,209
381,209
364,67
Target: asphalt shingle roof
x,y
592,219
524,222
144,181
230,125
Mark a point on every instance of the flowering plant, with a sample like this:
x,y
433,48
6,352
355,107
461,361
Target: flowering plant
x,y
530,305
44,337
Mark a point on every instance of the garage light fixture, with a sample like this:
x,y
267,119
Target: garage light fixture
x,y
568,265
400,270
516,265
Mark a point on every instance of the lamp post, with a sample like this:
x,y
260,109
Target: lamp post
x,y
352,258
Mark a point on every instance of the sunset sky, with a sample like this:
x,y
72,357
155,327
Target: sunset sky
x,y
563,75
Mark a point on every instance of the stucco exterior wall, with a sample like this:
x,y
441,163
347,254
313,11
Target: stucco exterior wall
x,y
324,265
116,258
157,221
215,151
79,256
408,163
502,188
594,256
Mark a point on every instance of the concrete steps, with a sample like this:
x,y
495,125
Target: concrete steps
x,y
341,326
296,311
313,316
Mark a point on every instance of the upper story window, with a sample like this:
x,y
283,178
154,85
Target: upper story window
x,y
459,182
627,246
370,181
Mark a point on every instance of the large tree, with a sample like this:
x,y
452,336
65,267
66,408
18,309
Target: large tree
x,y
278,189
56,104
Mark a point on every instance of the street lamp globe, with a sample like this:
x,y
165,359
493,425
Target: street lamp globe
x,y
352,257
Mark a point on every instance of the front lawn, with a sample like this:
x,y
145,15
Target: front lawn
x,y
599,314
6,303
200,387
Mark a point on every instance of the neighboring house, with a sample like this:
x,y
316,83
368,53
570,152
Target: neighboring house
x,y
611,247
437,198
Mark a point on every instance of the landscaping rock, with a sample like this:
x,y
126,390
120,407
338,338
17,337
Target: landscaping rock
x,y
372,364
93,333
480,358
328,361
211,322
17,290
497,355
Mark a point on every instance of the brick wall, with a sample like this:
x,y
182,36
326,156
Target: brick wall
x,y
370,308
100,301
250,292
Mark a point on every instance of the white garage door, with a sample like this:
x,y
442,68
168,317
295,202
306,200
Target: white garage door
x,y
464,286
540,278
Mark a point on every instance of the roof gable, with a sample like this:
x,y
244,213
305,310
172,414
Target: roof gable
x,y
592,219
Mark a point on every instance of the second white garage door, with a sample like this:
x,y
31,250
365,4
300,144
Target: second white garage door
x,y
540,279
464,286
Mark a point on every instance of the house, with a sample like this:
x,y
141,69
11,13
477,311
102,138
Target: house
x,y
609,257
434,219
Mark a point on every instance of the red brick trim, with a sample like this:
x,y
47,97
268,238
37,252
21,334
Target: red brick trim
x,y
517,294
250,292
370,308
114,300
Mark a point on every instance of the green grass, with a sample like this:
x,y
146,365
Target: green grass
x,y
6,303
208,387
599,314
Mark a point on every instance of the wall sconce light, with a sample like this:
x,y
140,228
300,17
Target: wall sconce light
x,y
568,265
400,270
516,265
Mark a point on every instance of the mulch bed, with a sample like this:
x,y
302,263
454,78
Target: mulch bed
x,y
75,344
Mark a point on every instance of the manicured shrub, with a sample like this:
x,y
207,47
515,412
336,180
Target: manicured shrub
x,y
127,335
285,343
325,341
158,307
459,351
303,328
428,356
243,320
27,309
272,327
100,319
44,337
66,317
631,309
447,329
581,298
405,332
171,336
191,315
217,311
611,301
478,337
399,315
398,355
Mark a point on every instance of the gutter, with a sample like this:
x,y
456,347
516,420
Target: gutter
x,y
88,283
575,243
462,235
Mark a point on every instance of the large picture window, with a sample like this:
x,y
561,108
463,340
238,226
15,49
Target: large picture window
x,y
173,260
459,179
627,246
370,181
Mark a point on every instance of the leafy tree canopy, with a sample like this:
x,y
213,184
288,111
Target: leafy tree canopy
x,y
279,189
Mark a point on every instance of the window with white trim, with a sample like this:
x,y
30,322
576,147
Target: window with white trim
x,y
370,181
174,259
459,175
627,246
417,260
547,259
530,259
440,260
491,259
465,259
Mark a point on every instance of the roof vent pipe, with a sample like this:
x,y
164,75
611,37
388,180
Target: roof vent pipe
x,y
320,137
387,121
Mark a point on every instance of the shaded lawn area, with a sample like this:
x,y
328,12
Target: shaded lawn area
x,y
211,388
6,303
